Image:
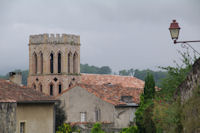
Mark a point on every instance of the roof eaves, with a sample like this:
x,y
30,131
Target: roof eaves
x,y
38,101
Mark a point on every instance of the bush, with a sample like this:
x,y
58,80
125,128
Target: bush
x,y
132,129
66,128
97,128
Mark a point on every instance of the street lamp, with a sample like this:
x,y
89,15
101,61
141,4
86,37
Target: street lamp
x,y
174,31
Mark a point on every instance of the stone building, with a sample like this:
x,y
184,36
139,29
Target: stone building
x,y
103,98
24,110
54,62
54,69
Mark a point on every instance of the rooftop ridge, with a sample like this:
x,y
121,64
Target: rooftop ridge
x,y
54,39
111,75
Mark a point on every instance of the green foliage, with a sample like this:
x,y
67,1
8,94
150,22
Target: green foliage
x,y
144,113
158,75
167,112
85,68
129,72
149,87
132,129
60,115
176,75
97,128
66,128
166,116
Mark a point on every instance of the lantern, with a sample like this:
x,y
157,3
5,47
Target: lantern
x,y
174,30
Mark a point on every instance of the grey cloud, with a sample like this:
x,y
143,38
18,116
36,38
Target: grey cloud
x,y
121,34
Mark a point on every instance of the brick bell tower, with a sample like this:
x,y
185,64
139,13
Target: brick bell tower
x,y
54,62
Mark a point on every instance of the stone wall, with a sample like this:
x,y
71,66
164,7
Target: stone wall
x,y
51,38
191,82
8,117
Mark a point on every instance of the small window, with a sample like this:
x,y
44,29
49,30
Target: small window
x,y
22,127
34,86
83,116
51,90
59,88
40,88
51,63
97,114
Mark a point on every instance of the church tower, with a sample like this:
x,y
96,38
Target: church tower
x,y
54,62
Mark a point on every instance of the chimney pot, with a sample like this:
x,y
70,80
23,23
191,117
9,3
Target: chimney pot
x,y
15,77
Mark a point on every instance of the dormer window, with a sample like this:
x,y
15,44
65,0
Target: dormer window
x,y
127,99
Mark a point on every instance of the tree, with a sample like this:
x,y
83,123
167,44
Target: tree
x,y
149,87
85,68
144,113
129,72
104,70
60,114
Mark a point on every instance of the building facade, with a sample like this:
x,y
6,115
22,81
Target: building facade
x,y
112,104
54,62
25,110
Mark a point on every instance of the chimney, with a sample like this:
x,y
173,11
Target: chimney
x,y
15,77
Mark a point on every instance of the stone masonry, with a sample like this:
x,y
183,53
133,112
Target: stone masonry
x,y
7,117
191,82
54,62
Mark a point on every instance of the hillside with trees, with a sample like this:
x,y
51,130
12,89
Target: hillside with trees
x,y
85,68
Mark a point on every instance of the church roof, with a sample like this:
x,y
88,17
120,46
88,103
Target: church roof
x,y
11,92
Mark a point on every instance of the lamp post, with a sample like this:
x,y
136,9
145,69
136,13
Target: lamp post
x,y
174,31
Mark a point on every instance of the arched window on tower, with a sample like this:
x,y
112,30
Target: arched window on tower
x,y
34,63
59,88
75,63
69,61
41,63
59,62
51,89
51,63
40,87
34,86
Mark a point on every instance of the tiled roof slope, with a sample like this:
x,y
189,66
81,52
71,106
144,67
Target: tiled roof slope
x,y
124,81
112,93
11,92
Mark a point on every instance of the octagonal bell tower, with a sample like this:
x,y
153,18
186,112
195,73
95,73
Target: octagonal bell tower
x,y
54,62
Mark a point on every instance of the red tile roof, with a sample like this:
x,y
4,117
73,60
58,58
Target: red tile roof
x,y
11,92
124,81
110,88
112,93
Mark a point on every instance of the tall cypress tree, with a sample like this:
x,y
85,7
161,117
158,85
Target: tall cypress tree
x,y
144,112
149,88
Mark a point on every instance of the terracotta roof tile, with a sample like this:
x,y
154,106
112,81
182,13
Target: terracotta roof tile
x,y
99,79
113,93
11,92
110,88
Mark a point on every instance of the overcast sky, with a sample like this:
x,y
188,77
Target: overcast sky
x,y
118,33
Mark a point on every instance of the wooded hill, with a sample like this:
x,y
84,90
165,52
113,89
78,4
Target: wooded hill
x,y
85,68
